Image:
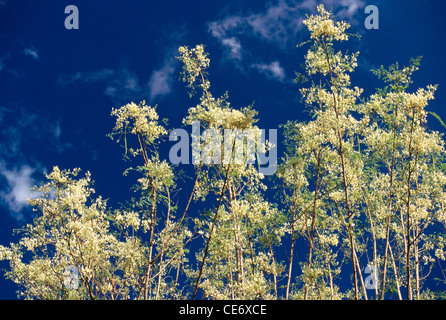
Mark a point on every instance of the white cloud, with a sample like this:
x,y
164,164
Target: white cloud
x,y
18,189
273,70
160,82
22,128
32,53
234,47
222,28
345,9
279,23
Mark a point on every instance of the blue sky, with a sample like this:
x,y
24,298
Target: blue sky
x,y
58,86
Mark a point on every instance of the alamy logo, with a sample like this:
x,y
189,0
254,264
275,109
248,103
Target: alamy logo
x,y
71,281
216,146
371,282
72,21
372,21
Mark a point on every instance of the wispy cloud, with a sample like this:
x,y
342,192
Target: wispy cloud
x,y
8,60
57,129
279,23
123,85
222,29
85,77
3,3
21,128
120,85
272,70
234,46
32,53
6,65
346,9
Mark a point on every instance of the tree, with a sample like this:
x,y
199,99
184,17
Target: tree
x,y
361,186
407,182
360,173
233,266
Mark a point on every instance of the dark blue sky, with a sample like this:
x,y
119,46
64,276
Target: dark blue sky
x,y
57,86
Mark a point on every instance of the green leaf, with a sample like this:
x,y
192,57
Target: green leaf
x,y
438,118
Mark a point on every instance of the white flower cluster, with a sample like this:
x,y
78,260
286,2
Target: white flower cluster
x,y
144,121
195,62
157,174
323,26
